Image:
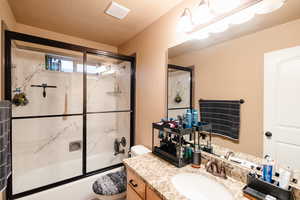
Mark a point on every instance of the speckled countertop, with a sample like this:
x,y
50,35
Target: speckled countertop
x,y
157,173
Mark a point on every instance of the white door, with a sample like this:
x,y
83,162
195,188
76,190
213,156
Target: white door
x,y
282,106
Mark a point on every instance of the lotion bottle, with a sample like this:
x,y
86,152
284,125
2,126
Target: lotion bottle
x,y
284,178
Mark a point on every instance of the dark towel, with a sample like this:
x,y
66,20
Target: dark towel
x,y
5,153
224,116
111,184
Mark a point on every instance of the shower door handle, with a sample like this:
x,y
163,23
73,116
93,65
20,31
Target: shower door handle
x,y
133,184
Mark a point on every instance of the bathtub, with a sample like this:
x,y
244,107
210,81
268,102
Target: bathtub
x,y
77,190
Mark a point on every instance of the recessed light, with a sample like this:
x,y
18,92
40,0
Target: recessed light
x,y
116,10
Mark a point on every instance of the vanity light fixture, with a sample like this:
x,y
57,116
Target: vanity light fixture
x,y
186,23
202,13
215,16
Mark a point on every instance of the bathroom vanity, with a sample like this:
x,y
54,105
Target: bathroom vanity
x,y
151,178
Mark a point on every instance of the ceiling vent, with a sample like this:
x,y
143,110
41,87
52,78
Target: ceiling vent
x,y
116,10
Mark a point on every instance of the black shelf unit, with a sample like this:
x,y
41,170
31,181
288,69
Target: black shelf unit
x,y
175,156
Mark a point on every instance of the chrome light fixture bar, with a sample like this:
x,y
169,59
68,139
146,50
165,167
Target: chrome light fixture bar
x,y
214,16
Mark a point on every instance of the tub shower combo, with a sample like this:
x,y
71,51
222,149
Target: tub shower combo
x,y
72,112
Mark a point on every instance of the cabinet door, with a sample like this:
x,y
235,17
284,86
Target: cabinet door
x,y
136,183
151,195
131,194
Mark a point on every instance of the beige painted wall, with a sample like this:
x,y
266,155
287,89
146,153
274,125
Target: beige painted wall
x,y
8,18
231,70
22,28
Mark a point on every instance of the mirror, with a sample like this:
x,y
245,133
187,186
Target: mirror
x,y
263,70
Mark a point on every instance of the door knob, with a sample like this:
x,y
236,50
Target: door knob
x,y
268,134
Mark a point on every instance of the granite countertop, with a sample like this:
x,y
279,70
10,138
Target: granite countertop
x,y
157,173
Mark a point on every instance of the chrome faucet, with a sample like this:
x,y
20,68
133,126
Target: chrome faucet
x,y
215,169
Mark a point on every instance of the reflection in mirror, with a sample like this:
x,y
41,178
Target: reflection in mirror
x,y
179,90
265,75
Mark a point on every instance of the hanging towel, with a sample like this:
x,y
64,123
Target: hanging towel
x,y
224,116
5,153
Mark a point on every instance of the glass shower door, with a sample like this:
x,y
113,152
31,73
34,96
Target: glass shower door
x,y
72,112
179,90
47,96
108,111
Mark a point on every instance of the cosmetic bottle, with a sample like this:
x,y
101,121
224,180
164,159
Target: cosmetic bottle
x,y
197,157
284,178
188,119
195,117
268,166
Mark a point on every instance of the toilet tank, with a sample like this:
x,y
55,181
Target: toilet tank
x,y
139,150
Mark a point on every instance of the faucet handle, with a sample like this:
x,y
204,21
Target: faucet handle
x,y
223,170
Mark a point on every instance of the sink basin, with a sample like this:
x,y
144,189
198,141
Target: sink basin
x,y
199,187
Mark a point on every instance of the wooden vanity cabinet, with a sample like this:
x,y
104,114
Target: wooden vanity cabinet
x,y
151,195
137,188
131,194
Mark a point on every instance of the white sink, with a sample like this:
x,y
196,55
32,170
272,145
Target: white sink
x,y
199,187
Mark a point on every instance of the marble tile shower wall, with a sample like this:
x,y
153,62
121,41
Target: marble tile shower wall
x,y
28,69
179,85
41,153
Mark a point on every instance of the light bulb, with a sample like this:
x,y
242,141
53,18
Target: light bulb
x,y
202,13
185,23
242,16
224,6
267,6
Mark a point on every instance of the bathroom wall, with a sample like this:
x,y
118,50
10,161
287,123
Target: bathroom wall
x,y
22,28
41,146
8,19
240,61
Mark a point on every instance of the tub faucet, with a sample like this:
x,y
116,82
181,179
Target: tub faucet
x,y
117,146
215,169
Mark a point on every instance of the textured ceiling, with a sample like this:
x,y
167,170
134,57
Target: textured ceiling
x,y
290,11
86,18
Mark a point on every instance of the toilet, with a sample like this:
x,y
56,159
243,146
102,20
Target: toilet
x,y
113,195
139,150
